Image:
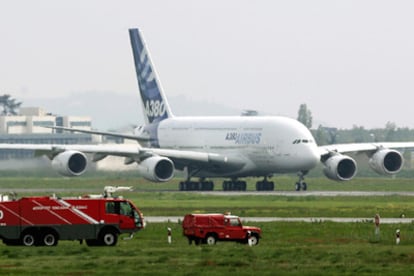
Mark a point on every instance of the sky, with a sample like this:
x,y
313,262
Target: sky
x,y
350,62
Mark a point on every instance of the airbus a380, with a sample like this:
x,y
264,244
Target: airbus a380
x,y
208,147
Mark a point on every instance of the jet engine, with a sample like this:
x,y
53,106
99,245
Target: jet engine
x,y
386,161
157,169
70,163
340,167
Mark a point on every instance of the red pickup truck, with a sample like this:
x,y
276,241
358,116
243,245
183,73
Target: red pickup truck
x,y
210,228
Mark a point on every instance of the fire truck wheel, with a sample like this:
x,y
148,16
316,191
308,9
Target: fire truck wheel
x,y
108,238
211,239
28,239
50,239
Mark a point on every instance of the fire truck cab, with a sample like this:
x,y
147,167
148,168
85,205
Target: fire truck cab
x,y
44,220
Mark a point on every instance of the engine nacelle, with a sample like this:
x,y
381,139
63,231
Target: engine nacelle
x,y
340,167
386,161
70,163
157,169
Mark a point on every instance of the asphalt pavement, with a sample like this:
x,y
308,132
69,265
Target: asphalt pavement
x,y
175,219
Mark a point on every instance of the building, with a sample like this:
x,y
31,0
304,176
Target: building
x,y
30,127
32,120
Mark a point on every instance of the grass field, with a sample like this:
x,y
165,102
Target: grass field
x,y
286,248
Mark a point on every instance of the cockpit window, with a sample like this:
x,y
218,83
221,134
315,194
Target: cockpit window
x,y
305,141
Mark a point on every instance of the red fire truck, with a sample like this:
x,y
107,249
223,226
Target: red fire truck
x,y
43,220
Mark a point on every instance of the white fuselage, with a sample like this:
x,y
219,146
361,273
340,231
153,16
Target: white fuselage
x,y
267,144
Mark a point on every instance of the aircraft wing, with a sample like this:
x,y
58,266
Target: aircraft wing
x,y
53,149
364,147
105,133
134,152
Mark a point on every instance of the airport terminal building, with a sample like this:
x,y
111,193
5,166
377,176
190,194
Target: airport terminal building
x,y
28,127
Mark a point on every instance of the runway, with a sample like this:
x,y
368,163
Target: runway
x,y
312,193
246,220
177,219
221,193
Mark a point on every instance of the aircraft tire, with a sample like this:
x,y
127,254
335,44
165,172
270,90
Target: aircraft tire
x,y
270,186
207,186
304,186
243,186
181,186
259,186
225,185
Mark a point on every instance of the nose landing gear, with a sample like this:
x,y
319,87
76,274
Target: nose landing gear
x,y
301,184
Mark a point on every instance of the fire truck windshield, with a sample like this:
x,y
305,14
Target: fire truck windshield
x,y
137,219
123,208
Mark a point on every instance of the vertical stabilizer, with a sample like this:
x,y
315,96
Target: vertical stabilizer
x,y
154,102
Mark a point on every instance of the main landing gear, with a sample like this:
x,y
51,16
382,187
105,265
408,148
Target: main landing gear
x,y
201,185
228,185
265,185
238,185
234,185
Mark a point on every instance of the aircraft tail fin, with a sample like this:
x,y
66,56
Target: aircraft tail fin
x,y
154,102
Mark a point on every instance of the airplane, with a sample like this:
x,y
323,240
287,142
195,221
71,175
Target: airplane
x,y
230,147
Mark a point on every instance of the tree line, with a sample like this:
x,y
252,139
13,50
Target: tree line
x,y
358,134
9,105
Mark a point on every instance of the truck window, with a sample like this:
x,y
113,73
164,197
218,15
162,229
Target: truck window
x,y
123,208
235,222
110,207
126,209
